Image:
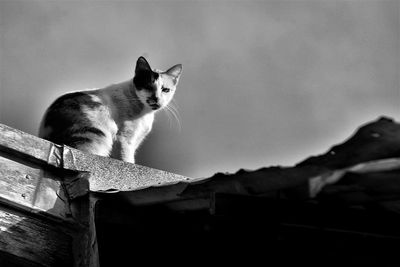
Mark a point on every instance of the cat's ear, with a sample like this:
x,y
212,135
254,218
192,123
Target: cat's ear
x,y
175,72
142,65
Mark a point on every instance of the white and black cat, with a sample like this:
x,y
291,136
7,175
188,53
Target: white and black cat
x,y
114,120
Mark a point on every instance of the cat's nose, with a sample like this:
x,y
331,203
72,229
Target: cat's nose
x,y
153,100
153,103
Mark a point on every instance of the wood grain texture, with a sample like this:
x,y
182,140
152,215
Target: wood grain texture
x,y
33,188
41,226
17,142
39,241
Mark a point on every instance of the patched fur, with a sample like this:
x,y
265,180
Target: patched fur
x,y
112,121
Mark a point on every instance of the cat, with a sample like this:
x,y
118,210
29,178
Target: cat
x,y
111,121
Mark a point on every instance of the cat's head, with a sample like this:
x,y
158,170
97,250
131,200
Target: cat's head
x,y
155,89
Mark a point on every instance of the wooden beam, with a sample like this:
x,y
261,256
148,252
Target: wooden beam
x,y
34,239
33,189
53,198
19,143
46,212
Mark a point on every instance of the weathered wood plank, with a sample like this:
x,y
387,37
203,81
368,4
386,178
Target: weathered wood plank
x,y
47,198
33,188
18,142
42,242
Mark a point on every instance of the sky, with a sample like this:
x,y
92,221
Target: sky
x,y
264,83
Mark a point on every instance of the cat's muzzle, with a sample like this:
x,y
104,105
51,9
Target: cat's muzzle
x,y
153,104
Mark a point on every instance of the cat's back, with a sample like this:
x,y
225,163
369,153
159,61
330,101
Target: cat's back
x,y
75,118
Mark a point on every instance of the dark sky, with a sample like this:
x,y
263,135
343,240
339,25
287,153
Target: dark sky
x,y
264,82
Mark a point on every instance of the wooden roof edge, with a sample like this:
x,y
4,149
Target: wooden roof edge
x,y
106,174
143,185
20,144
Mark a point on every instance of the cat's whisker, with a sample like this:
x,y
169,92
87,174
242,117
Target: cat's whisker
x,y
178,118
173,105
168,113
175,114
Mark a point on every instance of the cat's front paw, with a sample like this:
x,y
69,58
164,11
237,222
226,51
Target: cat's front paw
x,y
130,160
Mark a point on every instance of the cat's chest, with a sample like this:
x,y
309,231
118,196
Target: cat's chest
x,y
138,128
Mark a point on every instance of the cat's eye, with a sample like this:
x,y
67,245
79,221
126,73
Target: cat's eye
x,y
165,90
